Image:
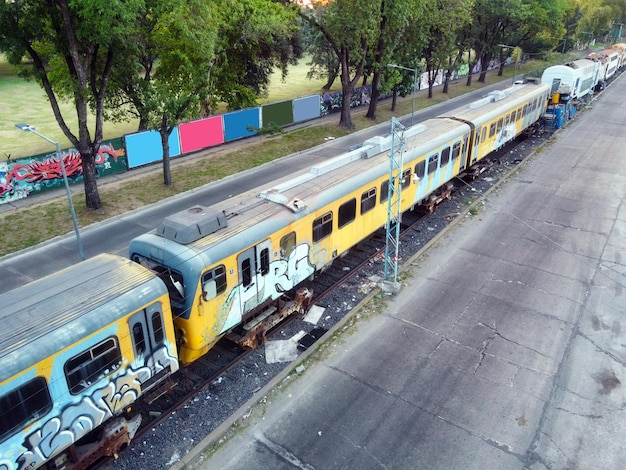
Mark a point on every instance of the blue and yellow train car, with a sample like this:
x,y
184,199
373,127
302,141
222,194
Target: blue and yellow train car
x,y
226,264
77,348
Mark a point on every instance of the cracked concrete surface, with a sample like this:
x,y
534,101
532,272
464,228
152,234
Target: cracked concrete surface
x,y
505,350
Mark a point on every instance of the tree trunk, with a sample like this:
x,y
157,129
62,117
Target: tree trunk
x,y
501,67
165,143
332,75
394,100
90,183
345,120
371,110
484,65
347,86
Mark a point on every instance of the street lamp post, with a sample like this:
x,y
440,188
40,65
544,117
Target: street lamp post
x,y
514,63
28,128
414,85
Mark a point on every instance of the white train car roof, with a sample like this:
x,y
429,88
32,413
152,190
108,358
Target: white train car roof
x,y
495,102
243,220
577,77
47,315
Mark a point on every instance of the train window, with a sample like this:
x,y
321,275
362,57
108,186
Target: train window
x,y
420,168
347,213
368,200
506,120
445,156
83,370
525,109
433,162
322,226
534,104
405,182
246,272
265,261
519,114
384,191
23,406
139,339
157,327
513,116
499,127
477,138
483,134
287,244
492,129
217,274
456,150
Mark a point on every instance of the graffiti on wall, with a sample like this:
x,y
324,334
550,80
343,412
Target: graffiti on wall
x,y
33,175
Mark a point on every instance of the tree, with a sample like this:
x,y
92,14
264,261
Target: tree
x,y
324,63
187,57
72,47
350,28
254,38
443,17
395,17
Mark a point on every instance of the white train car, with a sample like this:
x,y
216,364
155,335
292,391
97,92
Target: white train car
x,y
574,80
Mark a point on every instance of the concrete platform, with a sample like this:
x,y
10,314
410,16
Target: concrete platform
x,y
506,349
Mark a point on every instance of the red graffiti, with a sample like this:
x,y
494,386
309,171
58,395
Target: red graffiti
x,y
49,169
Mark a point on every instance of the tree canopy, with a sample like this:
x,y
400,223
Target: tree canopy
x,y
71,48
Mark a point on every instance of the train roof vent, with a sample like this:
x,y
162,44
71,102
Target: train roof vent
x,y
497,95
491,97
192,224
274,195
377,144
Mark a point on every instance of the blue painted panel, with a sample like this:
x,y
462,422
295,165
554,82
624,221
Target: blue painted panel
x,y
145,147
236,123
306,108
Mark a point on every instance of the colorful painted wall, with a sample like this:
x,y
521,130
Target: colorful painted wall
x,y
38,173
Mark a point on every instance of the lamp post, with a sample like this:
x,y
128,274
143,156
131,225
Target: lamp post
x,y
514,63
28,128
414,84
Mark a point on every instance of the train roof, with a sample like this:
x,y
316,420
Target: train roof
x,y
490,106
247,218
45,316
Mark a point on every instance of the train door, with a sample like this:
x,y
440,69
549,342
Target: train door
x,y
148,335
254,266
476,147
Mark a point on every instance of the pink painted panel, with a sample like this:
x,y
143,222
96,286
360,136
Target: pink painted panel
x,y
202,133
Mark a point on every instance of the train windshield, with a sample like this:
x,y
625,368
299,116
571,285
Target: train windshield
x,y
174,281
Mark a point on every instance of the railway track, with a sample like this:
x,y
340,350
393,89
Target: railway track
x,y
229,375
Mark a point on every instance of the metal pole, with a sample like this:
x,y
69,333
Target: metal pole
x,y
414,86
27,128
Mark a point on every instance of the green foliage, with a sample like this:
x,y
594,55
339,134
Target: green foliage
x,y
254,38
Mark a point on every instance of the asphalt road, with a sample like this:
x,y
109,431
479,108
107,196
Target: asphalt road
x,y
113,236
506,349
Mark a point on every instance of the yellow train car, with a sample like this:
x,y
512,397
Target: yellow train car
x,y
227,265
77,348
502,115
